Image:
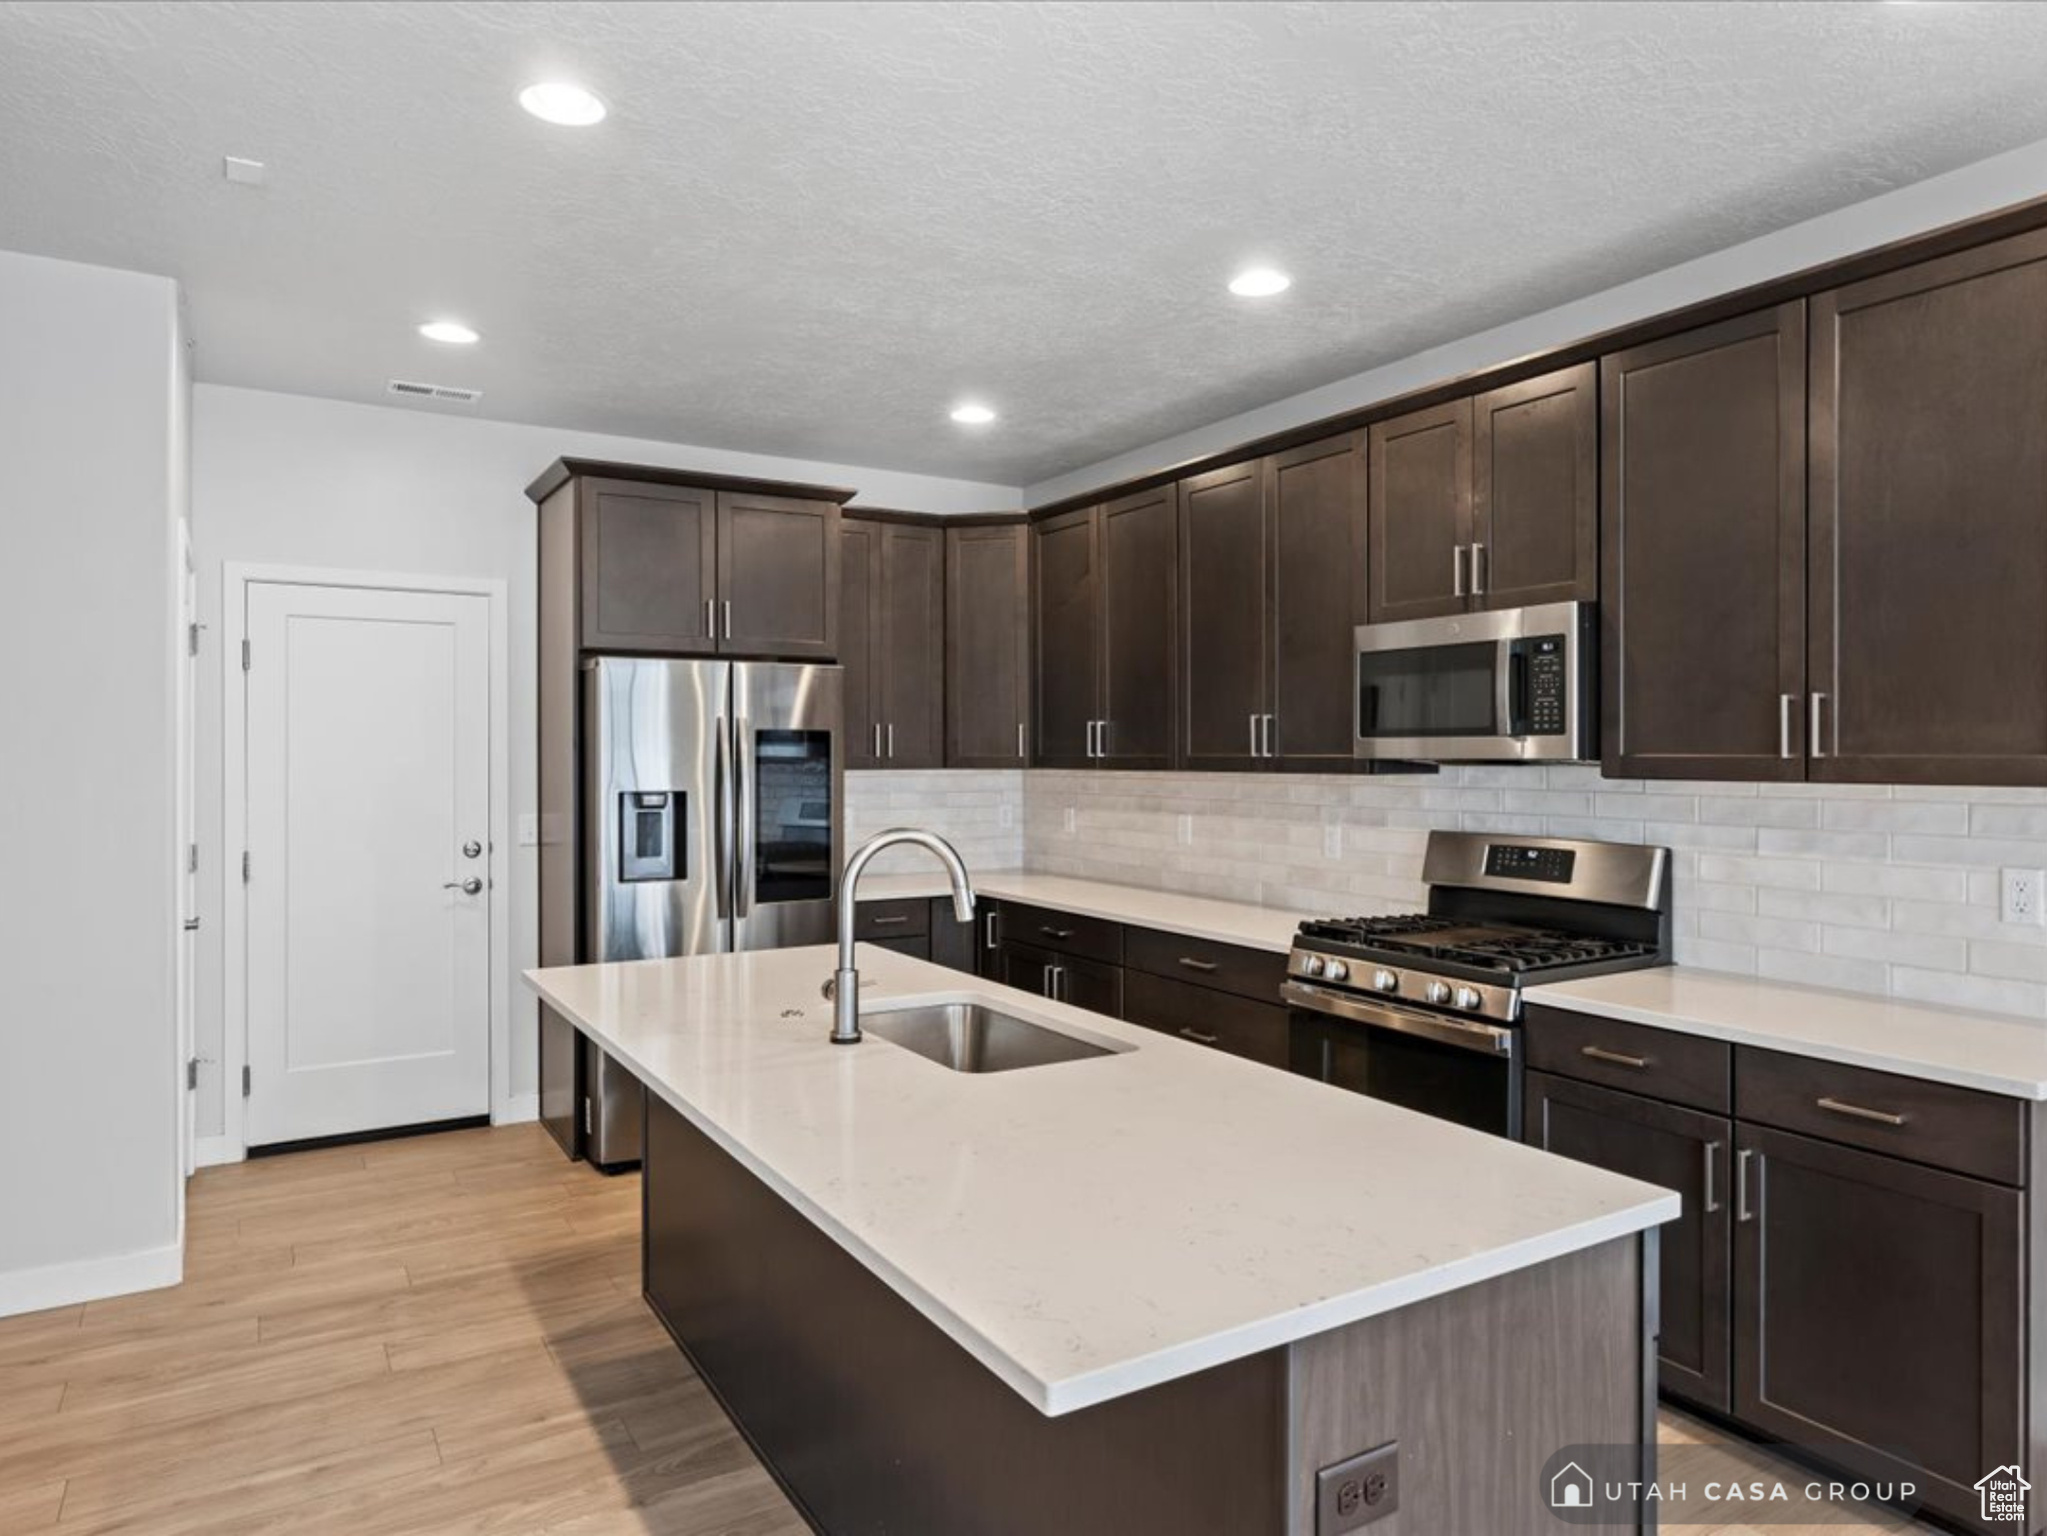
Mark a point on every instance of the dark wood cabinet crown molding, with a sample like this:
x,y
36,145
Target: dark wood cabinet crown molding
x,y
563,470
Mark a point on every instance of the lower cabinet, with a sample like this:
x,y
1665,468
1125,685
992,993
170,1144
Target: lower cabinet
x,y
1680,1149
1255,1031
1094,985
1850,1274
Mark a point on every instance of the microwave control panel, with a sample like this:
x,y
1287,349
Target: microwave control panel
x,y
1546,688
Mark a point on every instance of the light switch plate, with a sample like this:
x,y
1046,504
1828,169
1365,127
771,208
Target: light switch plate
x,y
1332,840
1356,1492
1072,821
529,831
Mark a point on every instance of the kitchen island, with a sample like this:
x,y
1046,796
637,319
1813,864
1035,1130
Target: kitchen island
x,y
1156,1289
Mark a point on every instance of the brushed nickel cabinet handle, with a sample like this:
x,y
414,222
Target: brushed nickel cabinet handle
x,y
891,740
1272,735
1478,570
990,938
710,619
1857,1112
1020,740
1600,1053
1045,985
1741,1206
728,618
1712,1151
877,741
1786,702
1457,555
1252,720
1057,933
1815,745
887,922
1197,1036
1198,965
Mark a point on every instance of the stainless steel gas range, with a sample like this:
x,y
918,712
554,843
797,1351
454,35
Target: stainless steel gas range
x,y
1424,1010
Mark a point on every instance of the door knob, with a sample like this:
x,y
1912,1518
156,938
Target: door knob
x,y
472,849
467,887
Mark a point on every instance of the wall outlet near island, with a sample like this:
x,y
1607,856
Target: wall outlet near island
x,y
2019,897
1332,840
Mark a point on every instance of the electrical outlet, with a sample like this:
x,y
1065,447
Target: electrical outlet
x,y
1007,815
1358,1491
1332,840
1186,830
2020,897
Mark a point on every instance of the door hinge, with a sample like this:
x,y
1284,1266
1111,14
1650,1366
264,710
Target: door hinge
x,y
191,858
586,1119
245,655
245,866
192,639
191,1074
245,1082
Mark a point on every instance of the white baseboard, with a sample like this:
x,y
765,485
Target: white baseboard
x,y
516,1110
212,1151
66,1285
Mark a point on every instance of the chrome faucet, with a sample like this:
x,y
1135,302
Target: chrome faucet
x,y
845,987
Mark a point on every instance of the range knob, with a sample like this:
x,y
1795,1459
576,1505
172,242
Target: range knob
x,y
1438,992
1468,997
1384,980
1337,971
1312,966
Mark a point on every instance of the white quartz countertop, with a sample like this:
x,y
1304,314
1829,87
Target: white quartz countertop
x,y
1996,1053
1198,917
1090,1228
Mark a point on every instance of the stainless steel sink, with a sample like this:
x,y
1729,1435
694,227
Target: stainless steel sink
x,y
968,1037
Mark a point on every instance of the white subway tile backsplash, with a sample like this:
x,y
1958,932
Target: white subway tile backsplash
x,y
1870,887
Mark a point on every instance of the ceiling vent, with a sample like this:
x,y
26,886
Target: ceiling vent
x,y
411,389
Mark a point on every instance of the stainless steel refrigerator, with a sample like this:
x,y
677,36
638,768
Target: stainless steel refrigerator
x,y
713,798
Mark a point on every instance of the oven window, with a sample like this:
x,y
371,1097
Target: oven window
x,y
1437,690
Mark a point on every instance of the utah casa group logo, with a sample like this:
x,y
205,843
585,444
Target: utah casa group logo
x,y
1709,1485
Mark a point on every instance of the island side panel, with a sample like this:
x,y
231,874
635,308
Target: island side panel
x,y
1480,1387
875,1421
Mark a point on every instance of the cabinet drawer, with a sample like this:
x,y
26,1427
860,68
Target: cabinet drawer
x,y
1067,933
1946,1127
875,920
1252,973
1681,1069
1255,1031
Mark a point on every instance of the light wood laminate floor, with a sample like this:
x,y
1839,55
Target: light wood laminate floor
x,y
433,1337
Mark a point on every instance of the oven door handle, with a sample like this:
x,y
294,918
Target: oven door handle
x,y
1465,1034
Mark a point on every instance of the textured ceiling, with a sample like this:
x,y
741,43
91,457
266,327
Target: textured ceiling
x,y
808,229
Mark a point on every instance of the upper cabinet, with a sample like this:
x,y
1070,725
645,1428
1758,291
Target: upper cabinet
x,y
1703,592
987,645
1487,502
1225,617
1929,522
892,642
1104,605
668,566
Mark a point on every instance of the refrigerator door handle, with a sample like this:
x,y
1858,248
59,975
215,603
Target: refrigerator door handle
x,y
721,795
742,779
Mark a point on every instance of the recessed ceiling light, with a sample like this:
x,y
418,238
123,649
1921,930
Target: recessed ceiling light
x,y
1260,283
454,332
563,103
972,414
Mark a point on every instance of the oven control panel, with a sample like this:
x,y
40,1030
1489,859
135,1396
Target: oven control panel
x,y
1516,862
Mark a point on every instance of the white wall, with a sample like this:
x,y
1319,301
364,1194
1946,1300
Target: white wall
x,y
1973,190
291,480
91,380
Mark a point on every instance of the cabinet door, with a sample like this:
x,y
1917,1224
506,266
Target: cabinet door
x,y
1224,600
1680,1149
1090,984
987,646
1066,636
1702,547
860,651
778,577
1879,1313
1140,629
1929,521
1315,499
649,557
913,645
1420,515
1220,1020
988,938
953,943
1535,490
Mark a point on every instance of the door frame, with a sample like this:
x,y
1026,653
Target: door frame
x,y
236,579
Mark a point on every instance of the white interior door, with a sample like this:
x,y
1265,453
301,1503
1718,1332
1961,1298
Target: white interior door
x,y
187,852
368,782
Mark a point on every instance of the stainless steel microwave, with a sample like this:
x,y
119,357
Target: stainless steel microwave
x,y
1513,686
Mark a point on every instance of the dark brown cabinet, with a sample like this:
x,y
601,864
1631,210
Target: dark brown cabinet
x,y
1535,491
987,645
778,576
1420,516
1315,500
1879,1313
1225,618
1681,1149
1702,591
1222,1021
1929,521
1104,605
1094,985
649,564
892,644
